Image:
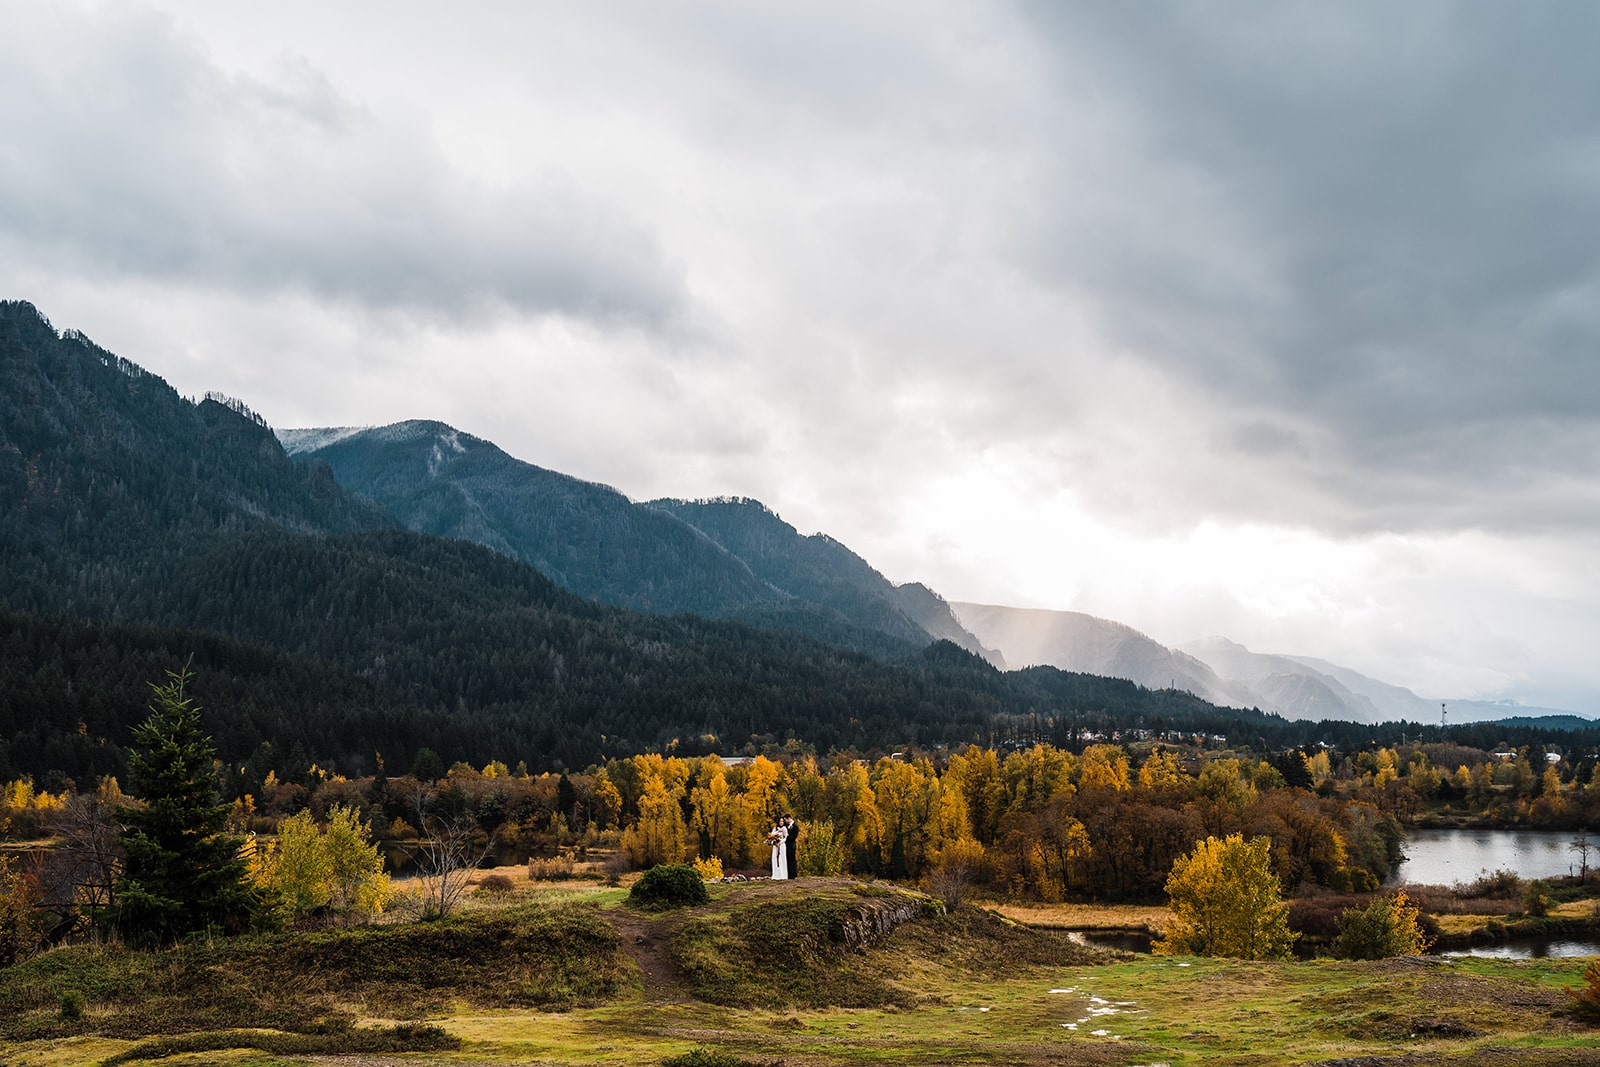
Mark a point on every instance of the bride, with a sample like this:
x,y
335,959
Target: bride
x,y
777,836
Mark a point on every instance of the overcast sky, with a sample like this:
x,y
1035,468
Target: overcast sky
x,y
1273,320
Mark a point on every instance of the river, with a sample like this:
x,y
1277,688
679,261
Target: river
x,y
1448,857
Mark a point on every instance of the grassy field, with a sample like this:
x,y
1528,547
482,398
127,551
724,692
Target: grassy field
x,y
819,972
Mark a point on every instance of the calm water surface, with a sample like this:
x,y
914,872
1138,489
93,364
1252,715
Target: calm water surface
x,y
1531,948
1446,857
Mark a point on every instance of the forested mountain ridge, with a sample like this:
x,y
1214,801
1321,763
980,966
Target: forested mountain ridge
x,y
594,541
586,537
131,512
102,463
820,570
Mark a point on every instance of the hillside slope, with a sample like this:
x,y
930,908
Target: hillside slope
x,y
586,537
102,464
817,569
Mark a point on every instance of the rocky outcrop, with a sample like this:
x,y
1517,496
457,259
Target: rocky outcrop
x,y
876,918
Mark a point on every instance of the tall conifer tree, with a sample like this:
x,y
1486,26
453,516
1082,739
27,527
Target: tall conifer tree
x,y
181,873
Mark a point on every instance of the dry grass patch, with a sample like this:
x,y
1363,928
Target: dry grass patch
x,y
1109,917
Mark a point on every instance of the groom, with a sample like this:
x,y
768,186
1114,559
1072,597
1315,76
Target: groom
x,y
789,846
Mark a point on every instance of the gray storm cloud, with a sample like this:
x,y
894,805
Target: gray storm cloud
x,y
131,154
1378,223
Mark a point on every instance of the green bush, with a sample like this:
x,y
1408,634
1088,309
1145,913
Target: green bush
x,y
71,1005
1388,926
669,885
1536,899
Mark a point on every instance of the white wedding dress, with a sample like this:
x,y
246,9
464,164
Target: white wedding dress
x,y
780,867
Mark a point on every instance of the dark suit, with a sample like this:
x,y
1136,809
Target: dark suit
x,y
789,849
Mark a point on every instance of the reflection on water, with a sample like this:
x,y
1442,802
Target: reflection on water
x,y
1531,948
1122,941
1446,857
1522,948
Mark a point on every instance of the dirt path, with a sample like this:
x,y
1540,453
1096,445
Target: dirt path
x,y
646,939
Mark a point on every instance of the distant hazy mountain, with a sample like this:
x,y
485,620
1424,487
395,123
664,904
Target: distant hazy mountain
x,y
934,614
1306,687
1074,641
819,570
1391,701
1216,669
1288,686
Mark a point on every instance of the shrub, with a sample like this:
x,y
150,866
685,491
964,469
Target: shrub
x,y
19,913
550,870
669,885
821,851
1501,883
71,1005
1586,998
1536,899
402,1037
709,870
1386,927
960,864
616,865
494,883
711,1057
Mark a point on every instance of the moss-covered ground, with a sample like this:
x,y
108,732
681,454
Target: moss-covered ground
x,y
812,973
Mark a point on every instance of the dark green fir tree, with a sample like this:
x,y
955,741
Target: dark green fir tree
x,y
181,872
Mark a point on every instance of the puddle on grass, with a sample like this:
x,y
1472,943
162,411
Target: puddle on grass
x,y
1096,1008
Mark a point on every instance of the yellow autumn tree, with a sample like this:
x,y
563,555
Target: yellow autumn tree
x,y
1163,770
976,772
337,867
759,806
296,868
715,815
658,836
1103,767
805,788
356,882
853,811
948,823
1227,902
1032,778
607,802
905,793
